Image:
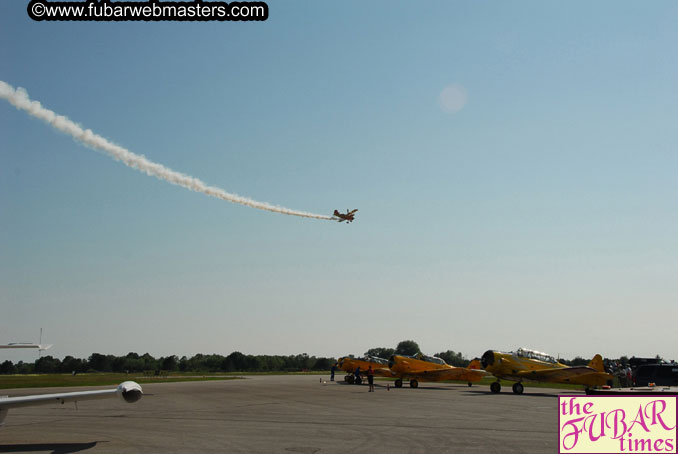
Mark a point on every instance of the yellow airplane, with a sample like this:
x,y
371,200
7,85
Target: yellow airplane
x,y
429,368
530,365
350,365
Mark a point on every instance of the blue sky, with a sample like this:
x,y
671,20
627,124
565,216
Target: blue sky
x,y
542,213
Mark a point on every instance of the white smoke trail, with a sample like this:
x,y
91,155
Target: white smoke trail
x,y
19,98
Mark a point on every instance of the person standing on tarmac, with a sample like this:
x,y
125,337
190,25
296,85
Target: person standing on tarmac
x,y
370,378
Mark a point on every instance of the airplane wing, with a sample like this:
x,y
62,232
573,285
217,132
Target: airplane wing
x,y
384,373
22,345
562,373
457,373
351,212
128,391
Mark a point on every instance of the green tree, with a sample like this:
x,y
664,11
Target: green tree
x,y
577,361
8,368
101,363
273,363
407,347
453,358
323,363
70,364
150,363
235,362
120,364
169,363
25,368
47,365
183,364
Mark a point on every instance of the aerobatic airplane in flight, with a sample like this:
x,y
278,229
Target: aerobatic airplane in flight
x,y
348,217
530,365
429,368
128,391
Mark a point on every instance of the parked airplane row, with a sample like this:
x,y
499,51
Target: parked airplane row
x,y
519,366
413,368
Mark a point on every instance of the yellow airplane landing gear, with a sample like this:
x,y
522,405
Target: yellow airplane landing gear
x,y
414,383
349,379
495,387
399,383
518,388
470,384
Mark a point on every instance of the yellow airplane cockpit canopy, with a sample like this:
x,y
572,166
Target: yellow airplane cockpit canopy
x,y
376,359
533,354
434,359
430,359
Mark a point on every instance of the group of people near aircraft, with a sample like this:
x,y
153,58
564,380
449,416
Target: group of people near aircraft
x,y
522,365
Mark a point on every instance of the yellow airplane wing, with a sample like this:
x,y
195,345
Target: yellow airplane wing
x,y
556,374
457,373
384,373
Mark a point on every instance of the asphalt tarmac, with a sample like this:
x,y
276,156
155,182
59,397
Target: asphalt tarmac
x,y
291,414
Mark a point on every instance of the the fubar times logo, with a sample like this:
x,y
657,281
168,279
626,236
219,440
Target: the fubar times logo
x,y
616,424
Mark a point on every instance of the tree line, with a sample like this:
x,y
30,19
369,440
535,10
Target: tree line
x,y
235,362
133,362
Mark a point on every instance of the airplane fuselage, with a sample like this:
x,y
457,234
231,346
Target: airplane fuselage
x,y
406,364
507,365
349,365
511,366
430,369
348,217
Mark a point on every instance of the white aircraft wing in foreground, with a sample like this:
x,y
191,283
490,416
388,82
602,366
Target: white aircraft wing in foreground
x,y
128,391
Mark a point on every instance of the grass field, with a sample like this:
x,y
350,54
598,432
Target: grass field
x,y
102,379
59,380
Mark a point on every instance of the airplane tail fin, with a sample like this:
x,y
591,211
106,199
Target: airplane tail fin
x,y
597,363
475,364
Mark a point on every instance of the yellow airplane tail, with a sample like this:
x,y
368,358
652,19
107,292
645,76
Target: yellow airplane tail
x,y
475,364
597,363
